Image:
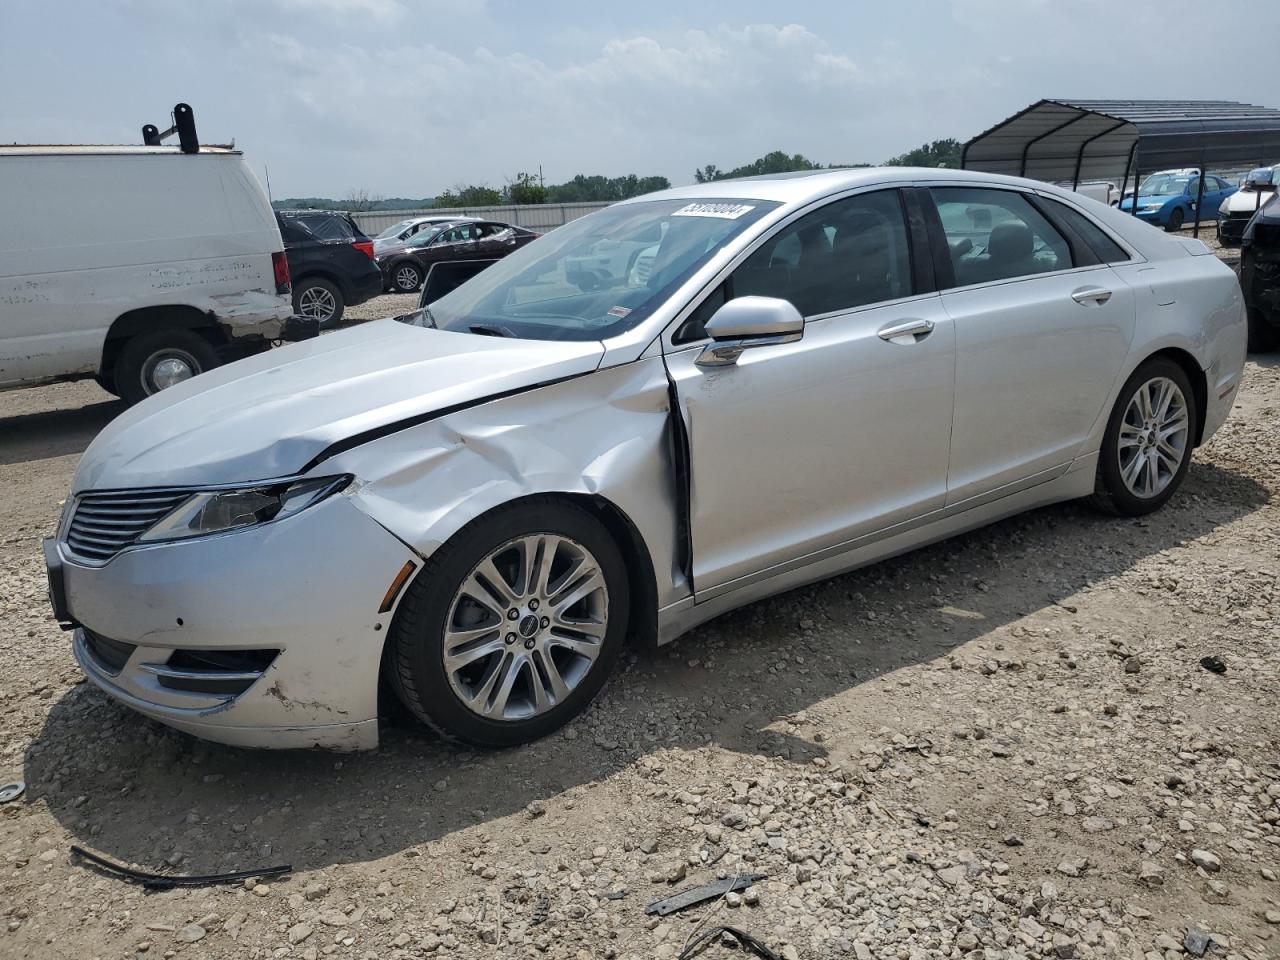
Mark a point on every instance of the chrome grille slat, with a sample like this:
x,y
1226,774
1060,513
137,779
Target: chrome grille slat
x,y
103,524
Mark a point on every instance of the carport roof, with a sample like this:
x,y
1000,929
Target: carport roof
x,y
1080,140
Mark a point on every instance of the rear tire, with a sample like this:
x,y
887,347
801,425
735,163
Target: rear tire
x,y
150,362
406,277
318,298
1145,455
467,700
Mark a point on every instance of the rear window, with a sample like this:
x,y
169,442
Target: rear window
x,y
1107,250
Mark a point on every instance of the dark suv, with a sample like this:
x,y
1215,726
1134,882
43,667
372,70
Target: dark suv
x,y
1260,276
330,263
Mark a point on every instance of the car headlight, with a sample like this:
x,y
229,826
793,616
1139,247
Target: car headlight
x,y
220,511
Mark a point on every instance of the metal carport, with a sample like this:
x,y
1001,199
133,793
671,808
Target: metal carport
x,y
1072,141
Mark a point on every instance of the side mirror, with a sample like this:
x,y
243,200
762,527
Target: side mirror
x,y
749,322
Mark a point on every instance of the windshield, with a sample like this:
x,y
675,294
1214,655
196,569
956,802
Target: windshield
x,y
597,276
1163,184
391,231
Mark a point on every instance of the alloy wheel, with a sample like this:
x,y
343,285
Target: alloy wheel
x,y
407,279
525,627
317,303
1153,438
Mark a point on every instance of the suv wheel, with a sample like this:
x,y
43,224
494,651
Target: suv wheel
x,y
152,362
318,299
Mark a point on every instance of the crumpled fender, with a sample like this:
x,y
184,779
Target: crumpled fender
x,y
606,434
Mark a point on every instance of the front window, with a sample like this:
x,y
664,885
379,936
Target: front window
x,y
394,231
1164,185
595,277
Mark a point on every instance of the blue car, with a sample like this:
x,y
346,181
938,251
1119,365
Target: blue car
x,y
1168,199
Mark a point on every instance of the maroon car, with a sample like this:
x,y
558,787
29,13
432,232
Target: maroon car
x,y
405,266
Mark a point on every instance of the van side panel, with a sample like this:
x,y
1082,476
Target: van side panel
x,y
86,238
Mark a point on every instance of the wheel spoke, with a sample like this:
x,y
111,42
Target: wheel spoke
x,y
548,686
586,583
494,585
1131,471
1164,396
464,655
494,703
1130,436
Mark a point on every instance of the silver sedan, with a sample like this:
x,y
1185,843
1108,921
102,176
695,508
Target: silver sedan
x,y
664,410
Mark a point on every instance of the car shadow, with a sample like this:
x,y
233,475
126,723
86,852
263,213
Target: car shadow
x,y
54,433
137,792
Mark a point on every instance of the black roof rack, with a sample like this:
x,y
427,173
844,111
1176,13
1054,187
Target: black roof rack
x,y
184,125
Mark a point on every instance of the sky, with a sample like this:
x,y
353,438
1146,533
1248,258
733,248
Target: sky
x,y
410,97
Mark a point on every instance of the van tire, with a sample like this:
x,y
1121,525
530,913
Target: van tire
x,y
135,371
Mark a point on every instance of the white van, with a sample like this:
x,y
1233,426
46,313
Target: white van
x,y
140,266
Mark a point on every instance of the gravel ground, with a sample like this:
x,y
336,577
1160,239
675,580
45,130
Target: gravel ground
x,y
1001,746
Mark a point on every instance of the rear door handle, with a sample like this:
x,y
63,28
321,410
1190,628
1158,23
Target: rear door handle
x,y
906,331
1091,295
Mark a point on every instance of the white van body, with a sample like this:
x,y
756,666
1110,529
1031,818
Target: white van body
x,y
1104,191
102,245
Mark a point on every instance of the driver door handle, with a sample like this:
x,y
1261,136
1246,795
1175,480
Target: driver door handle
x,y
1091,295
906,331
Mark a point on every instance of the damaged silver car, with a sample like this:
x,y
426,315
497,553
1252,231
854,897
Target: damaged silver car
x,y
651,415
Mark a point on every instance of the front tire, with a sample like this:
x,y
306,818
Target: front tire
x,y
1176,220
1147,447
152,362
513,626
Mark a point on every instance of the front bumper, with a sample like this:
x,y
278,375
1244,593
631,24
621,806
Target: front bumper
x,y
1231,229
308,587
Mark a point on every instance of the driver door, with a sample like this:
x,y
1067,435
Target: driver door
x,y
799,448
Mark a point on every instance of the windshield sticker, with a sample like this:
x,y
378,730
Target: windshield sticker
x,y
618,311
720,211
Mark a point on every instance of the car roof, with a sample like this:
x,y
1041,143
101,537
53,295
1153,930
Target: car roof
x,y
808,185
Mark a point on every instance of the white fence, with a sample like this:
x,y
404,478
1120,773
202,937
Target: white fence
x,y
538,216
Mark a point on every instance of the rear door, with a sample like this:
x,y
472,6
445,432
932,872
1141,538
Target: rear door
x,y
1042,329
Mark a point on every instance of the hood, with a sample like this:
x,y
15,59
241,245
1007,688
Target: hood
x,y
269,415
1246,200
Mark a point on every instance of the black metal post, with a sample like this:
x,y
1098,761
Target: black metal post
x,y
1195,231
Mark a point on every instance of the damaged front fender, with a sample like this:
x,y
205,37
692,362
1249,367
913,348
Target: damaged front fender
x,y
606,435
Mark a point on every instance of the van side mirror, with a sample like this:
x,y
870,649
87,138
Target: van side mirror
x,y
748,322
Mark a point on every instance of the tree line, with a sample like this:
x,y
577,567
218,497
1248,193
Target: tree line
x,y
528,188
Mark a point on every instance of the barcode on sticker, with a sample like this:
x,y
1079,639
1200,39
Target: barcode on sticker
x,y
721,211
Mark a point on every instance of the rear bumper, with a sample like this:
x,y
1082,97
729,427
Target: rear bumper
x,y
366,286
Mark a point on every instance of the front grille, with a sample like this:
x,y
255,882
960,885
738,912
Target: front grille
x,y
110,654
105,523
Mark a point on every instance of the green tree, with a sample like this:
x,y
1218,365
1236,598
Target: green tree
x,y
585,189
463,195
525,188
775,161
939,153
